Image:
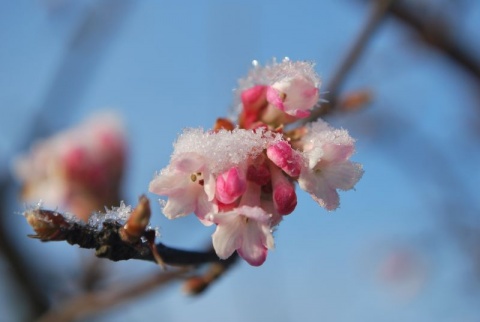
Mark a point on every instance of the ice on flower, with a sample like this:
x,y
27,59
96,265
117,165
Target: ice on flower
x,y
198,158
224,149
292,87
243,179
327,168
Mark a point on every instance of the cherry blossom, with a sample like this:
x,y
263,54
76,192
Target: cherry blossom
x,y
278,93
78,169
183,182
295,96
327,169
246,230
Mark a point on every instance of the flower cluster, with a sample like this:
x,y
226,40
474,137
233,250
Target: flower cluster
x,y
242,177
78,170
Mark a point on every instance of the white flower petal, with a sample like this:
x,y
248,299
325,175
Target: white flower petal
x,y
204,207
254,248
228,236
343,175
165,184
179,206
319,188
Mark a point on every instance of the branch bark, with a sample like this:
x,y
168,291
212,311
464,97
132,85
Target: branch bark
x,y
94,302
109,240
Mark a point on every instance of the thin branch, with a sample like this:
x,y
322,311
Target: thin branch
x,y
109,240
333,88
95,302
38,302
437,34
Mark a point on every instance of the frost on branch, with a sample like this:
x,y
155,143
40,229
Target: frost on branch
x,y
122,233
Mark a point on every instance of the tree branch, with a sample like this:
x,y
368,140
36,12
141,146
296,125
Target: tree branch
x,y
93,302
36,301
437,34
333,88
109,240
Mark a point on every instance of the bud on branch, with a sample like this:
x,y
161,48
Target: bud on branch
x,y
114,239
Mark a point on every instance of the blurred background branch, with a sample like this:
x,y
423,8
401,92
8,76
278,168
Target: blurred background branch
x,y
437,32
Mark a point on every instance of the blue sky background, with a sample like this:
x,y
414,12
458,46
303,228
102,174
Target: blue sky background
x,y
167,65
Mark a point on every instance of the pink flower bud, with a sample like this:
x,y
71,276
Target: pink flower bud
x,y
230,185
254,102
258,174
283,156
284,196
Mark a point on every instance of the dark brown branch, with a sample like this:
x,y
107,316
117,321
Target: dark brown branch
x,y
437,34
108,240
38,302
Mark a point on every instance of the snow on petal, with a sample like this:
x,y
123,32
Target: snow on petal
x,y
295,96
224,149
327,167
293,85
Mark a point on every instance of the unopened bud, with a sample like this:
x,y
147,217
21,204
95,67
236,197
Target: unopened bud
x,y
284,196
356,100
223,123
137,222
254,102
286,158
47,224
230,185
195,285
259,174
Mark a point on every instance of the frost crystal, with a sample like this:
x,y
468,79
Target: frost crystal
x,y
275,72
119,214
225,149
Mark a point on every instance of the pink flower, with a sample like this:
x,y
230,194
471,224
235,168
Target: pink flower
x,y
327,151
245,230
254,102
291,88
78,170
294,96
187,183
